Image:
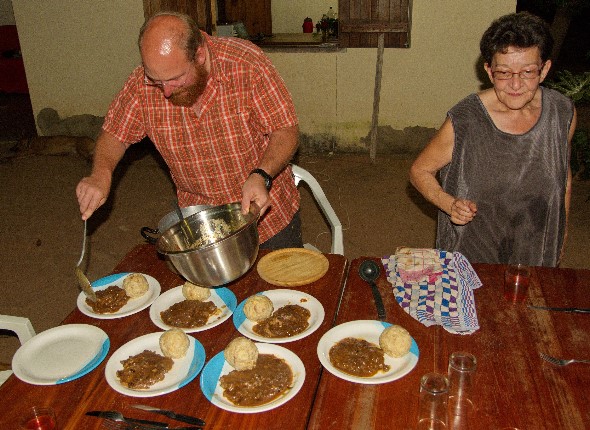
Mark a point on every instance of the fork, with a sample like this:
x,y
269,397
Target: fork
x,y
560,361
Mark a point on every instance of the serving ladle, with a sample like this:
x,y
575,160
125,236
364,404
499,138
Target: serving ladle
x,y
369,271
82,279
189,236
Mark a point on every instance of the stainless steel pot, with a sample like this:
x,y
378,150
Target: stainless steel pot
x,y
213,258
168,221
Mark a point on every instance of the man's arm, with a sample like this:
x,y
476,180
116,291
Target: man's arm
x,y
281,148
92,191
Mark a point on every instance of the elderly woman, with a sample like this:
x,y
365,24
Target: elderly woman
x,y
503,155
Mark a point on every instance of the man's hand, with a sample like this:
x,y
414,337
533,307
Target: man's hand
x,y
92,192
255,191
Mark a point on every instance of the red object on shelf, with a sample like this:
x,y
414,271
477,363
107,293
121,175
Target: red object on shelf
x,y
12,69
308,25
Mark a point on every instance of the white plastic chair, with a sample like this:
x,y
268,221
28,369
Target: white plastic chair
x,y
301,174
23,329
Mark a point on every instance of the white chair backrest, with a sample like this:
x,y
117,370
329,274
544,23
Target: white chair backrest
x,y
23,329
300,174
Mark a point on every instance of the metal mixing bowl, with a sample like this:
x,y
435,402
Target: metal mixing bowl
x,y
171,218
210,258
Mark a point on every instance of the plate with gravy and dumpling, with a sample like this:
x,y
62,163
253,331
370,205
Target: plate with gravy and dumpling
x,y
155,364
120,295
250,377
278,316
368,351
193,308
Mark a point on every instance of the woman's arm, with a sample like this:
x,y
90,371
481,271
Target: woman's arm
x,y
435,156
568,188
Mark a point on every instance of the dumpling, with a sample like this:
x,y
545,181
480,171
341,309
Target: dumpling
x,y
135,285
258,307
191,291
174,343
395,341
241,353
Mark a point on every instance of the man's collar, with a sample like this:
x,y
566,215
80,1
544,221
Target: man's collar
x,y
216,71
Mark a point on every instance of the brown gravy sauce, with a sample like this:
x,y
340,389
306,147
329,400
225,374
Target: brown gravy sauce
x,y
270,378
286,321
188,313
357,357
109,300
143,370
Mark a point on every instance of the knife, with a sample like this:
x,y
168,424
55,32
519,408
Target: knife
x,y
110,415
170,414
548,308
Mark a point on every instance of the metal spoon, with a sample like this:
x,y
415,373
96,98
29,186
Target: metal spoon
x,y
369,271
82,279
184,225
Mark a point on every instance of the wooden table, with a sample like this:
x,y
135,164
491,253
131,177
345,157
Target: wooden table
x,y
515,388
91,392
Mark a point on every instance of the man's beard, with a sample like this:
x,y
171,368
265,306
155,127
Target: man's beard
x,y
188,96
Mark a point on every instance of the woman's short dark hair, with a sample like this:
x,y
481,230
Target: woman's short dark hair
x,y
520,30
189,40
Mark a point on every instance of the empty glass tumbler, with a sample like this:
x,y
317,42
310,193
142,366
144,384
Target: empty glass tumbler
x,y
434,391
462,366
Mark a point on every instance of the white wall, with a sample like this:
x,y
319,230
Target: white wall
x,y
288,15
6,13
334,91
78,54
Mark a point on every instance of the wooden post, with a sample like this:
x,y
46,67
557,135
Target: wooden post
x,y
377,97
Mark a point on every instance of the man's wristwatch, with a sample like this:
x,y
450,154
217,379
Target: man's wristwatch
x,y
266,176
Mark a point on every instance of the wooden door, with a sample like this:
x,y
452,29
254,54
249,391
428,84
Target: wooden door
x,y
361,21
255,14
202,11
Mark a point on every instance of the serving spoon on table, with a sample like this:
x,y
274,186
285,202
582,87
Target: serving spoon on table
x,y
369,271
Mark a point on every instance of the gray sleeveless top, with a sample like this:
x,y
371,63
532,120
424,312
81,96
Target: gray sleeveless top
x,y
517,181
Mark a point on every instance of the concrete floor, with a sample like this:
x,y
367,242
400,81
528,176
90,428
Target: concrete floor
x,y
41,229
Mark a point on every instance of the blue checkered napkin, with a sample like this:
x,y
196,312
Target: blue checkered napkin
x,y
447,300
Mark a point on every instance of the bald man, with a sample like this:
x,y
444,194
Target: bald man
x,y
221,117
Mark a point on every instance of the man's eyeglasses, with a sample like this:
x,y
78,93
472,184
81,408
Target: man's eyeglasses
x,y
171,82
530,73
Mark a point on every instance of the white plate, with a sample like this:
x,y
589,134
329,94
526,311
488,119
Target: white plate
x,y
370,331
131,307
223,298
280,298
218,367
184,370
60,354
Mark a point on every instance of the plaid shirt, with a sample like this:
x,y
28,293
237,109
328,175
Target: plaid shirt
x,y
211,153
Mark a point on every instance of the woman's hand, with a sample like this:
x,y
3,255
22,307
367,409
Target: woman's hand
x,y
462,211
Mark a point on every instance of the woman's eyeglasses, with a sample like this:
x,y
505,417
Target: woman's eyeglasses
x,y
170,82
530,73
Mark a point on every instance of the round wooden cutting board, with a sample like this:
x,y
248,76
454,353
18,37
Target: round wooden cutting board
x,y
291,267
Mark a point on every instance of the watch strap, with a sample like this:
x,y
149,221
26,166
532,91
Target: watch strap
x,y
266,176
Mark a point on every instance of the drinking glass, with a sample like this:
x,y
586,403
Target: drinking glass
x,y
39,418
516,282
434,392
462,366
